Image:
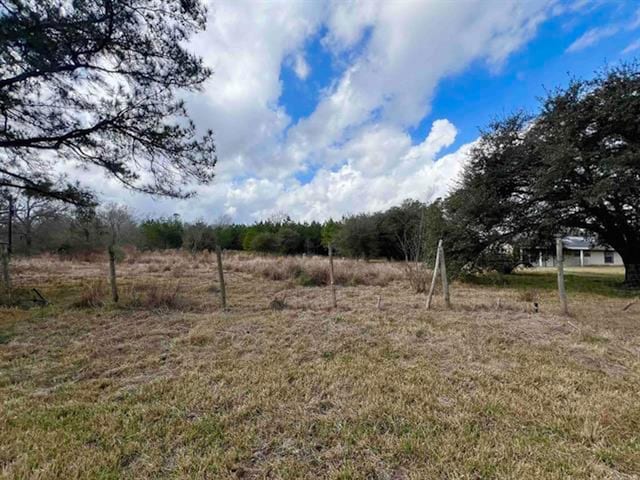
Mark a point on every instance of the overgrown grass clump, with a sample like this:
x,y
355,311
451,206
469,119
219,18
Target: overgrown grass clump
x,y
19,297
156,297
165,296
92,295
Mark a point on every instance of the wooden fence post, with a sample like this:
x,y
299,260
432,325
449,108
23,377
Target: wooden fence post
x,y
112,273
331,278
434,275
561,290
6,277
223,290
445,280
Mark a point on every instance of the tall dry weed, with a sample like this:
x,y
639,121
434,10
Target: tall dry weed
x,y
155,297
92,295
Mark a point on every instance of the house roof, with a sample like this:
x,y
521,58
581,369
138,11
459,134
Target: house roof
x,y
574,242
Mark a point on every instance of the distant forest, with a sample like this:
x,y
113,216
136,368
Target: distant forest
x,y
44,225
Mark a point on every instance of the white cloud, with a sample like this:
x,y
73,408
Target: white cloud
x,y
632,47
382,169
393,54
592,37
352,188
347,21
246,44
412,48
301,67
595,35
635,21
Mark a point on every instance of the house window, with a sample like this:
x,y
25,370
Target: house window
x,y
587,254
608,256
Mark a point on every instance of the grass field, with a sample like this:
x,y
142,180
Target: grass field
x,y
596,280
166,385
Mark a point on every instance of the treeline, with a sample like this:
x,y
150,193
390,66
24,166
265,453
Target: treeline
x,y
44,225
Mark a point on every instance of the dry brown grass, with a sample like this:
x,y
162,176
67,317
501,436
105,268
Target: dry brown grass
x,y
156,297
314,270
488,389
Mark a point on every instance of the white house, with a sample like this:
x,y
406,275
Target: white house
x,y
581,252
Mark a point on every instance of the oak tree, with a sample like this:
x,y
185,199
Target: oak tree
x,y
574,166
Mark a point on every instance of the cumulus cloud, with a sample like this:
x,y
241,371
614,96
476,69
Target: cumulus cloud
x,y
245,44
355,144
412,47
353,188
381,169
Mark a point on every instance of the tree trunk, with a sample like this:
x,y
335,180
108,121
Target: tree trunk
x,y
445,280
632,270
28,238
434,275
6,277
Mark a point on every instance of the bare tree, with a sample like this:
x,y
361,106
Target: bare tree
x,y
409,224
198,236
412,244
223,220
30,210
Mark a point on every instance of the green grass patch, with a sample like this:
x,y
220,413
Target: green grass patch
x,y
6,336
606,283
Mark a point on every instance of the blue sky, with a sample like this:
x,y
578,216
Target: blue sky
x,y
325,108
471,99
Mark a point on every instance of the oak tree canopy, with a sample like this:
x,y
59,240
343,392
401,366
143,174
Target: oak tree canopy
x,y
573,167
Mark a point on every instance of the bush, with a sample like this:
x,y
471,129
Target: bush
x,y
498,261
278,304
417,275
529,296
164,298
264,242
289,241
85,255
307,280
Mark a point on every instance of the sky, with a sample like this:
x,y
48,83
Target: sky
x,y
327,108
